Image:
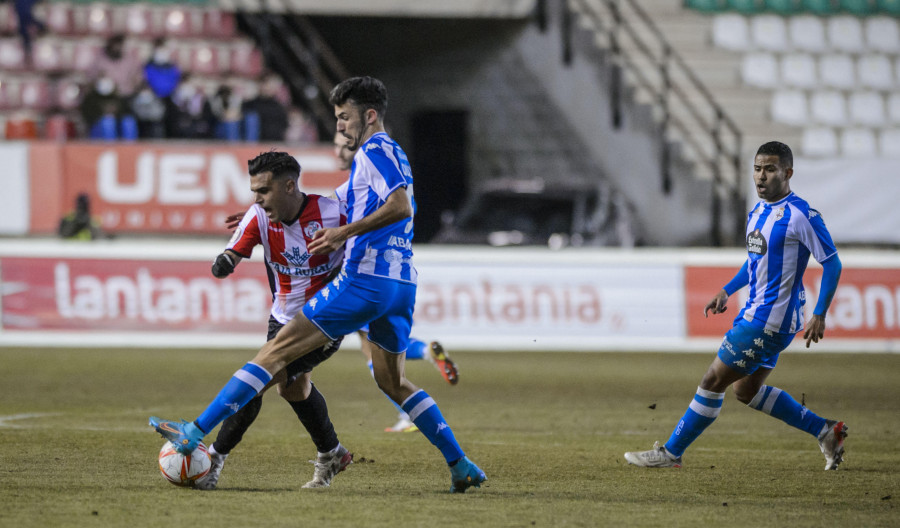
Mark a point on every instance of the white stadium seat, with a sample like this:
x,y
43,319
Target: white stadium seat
x,y
845,33
789,107
837,71
769,32
730,31
889,143
819,142
858,143
882,34
760,70
874,71
808,34
893,108
867,108
828,108
897,71
798,70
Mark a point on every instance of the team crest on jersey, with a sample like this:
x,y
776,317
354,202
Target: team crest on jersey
x,y
311,228
392,255
756,242
294,256
779,213
238,233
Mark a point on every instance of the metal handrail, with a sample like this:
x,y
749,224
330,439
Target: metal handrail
x,y
294,46
668,63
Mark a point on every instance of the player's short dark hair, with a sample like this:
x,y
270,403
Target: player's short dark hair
x,y
280,164
777,148
365,92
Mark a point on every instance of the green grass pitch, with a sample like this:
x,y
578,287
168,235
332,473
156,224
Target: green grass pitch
x,y
549,429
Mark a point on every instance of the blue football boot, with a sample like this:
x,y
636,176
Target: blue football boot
x,y
184,435
464,475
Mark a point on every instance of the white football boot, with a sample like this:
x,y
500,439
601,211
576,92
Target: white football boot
x,y
658,457
211,479
831,442
328,465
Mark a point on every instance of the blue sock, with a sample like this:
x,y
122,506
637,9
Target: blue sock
x,y
428,418
775,402
702,411
416,349
240,389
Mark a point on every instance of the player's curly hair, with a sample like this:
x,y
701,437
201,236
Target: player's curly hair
x,y
777,148
365,92
280,164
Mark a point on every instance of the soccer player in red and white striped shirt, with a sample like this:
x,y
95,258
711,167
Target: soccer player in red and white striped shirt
x,y
282,220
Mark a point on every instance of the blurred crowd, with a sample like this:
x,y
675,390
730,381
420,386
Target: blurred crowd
x,y
130,96
131,99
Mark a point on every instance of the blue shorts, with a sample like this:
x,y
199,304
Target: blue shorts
x,y
747,348
352,301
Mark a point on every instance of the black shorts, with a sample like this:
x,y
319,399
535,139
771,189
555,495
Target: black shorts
x,y
309,361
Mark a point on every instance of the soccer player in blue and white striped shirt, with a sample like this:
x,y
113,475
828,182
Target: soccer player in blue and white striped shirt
x,y
782,232
376,287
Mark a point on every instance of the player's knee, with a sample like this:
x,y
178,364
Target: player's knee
x,y
297,389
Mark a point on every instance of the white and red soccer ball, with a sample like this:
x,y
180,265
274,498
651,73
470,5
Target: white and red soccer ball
x,y
183,470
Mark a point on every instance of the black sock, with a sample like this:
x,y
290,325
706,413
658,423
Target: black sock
x,y
234,427
313,414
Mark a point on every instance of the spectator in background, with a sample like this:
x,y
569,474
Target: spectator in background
x,y
101,109
301,128
271,113
114,63
226,107
150,112
27,23
79,224
161,74
188,113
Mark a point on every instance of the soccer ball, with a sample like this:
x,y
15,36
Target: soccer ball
x,y
183,470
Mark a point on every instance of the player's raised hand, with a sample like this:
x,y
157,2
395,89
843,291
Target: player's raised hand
x,y
233,220
718,304
326,240
815,330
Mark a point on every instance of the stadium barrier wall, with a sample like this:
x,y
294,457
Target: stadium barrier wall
x,y
173,187
160,293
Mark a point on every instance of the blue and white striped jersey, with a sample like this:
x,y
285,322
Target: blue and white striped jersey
x,y
780,238
379,167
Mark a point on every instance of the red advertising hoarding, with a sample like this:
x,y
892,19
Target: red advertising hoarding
x,y
158,187
865,306
103,295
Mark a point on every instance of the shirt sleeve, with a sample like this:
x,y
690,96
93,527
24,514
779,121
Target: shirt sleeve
x,y
814,235
391,169
247,235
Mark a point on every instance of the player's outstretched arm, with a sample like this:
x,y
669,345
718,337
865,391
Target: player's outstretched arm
x,y
397,207
831,274
718,304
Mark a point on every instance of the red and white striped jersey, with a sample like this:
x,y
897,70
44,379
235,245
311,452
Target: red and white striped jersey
x,y
298,275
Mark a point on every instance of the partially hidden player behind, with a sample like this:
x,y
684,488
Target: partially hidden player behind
x,y
282,221
417,348
782,232
376,286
